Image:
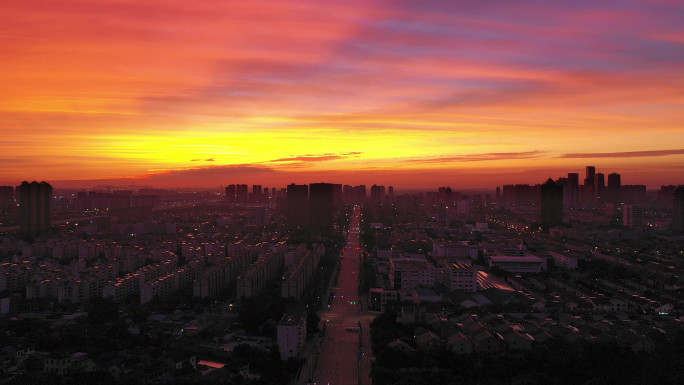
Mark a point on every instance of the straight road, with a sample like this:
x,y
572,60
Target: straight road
x,y
343,359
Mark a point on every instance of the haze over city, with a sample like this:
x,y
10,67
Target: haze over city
x,y
404,93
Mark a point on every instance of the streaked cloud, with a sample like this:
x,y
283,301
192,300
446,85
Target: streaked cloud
x,y
316,158
479,157
627,154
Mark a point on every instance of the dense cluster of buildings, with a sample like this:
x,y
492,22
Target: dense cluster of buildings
x,y
550,252
468,333
554,197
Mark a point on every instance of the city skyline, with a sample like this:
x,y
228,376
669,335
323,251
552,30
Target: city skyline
x,y
409,94
597,181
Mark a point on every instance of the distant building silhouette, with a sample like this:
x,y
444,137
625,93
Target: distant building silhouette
x,y
614,186
445,195
238,193
666,195
571,190
590,176
321,206
35,207
6,198
354,194
551,204
600,187
297,205
633,194
519,195
241,193
230,193
256,194
588,190
678,210
377,193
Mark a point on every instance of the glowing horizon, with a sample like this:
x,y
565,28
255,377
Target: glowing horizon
x,y
408,93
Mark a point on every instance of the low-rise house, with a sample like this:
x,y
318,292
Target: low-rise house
x,y
636,342
517,341
178,360
425,294
542,336
471,326
486,342
401,346
459,343
665,308
429,341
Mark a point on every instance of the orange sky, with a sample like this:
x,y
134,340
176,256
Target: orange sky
x,y
409,93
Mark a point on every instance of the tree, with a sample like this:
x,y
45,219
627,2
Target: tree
x,y
312,321
101,310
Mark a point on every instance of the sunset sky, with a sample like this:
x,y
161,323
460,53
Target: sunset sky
x,y
409,93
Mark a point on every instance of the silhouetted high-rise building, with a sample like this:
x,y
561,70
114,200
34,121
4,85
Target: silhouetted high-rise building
x,y
614,186
256,193
6,198
230,193
590,176
35,206
588,190
633,194
297,205
444,195
600,187
666,195
377,193
241,193
614,180
571,190
678,210
321,206
354,194
551,204
519,195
